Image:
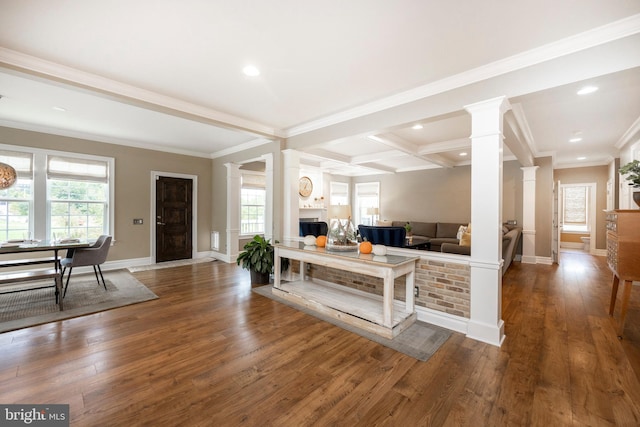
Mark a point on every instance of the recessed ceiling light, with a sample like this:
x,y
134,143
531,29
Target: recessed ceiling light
x,y
575,139
463,154
581,158
587,89
417,126
61,109
251,71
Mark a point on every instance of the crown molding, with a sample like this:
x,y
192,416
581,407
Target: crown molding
x,y
631,135
124,92
99,138
597,36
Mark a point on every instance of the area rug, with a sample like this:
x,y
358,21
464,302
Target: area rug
x,y
34,307
420,340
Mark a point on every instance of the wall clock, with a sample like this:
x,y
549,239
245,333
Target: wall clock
x,y
305,186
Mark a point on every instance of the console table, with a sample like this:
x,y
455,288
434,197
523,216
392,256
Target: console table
x,y
623,256
383,315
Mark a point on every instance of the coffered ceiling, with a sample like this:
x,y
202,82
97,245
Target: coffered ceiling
x,y
343,82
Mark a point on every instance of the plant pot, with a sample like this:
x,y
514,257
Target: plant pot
x,y
259,278
636,198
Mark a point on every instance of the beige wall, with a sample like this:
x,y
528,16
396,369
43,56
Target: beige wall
x,y
544,206
442,194
133,168
599,175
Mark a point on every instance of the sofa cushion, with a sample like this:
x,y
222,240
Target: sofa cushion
x,y
447,229
426,229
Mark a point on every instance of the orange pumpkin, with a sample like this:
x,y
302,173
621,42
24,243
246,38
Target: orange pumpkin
x,y
366,247
321,241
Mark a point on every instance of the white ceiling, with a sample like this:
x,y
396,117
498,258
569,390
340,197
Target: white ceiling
x,y
167,75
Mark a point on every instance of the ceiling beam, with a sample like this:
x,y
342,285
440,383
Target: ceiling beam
x,y
521,145
394,141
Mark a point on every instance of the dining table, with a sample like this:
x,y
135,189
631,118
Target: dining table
x,y
21,262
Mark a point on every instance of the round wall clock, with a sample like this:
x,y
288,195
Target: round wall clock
x,y
305,186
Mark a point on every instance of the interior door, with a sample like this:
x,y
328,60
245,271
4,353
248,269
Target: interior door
x,y
173,218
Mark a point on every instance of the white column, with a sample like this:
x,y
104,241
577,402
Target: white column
x,y
268,208
233,209
485,323
290,208
529,214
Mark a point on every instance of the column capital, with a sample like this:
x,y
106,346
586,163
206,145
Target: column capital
x,y
529,172
500,102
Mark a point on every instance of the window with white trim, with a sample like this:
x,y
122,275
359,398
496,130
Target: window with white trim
x,y
253,198
16,202
367,196
575,208
338,193
78,196
66,194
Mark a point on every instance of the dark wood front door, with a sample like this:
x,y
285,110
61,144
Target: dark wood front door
x,y
173,218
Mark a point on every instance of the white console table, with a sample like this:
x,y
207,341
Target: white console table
x,y
383,315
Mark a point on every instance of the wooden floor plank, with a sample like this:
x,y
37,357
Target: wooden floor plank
x,y
211,352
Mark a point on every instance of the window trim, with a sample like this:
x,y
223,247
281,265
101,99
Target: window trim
x,y
41,224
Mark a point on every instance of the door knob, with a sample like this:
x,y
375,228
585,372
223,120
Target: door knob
x,y
160,223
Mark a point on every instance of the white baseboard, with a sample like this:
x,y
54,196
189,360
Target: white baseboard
x,y
438,318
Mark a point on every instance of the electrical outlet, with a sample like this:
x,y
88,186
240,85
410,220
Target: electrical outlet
x,y
137,221
416,291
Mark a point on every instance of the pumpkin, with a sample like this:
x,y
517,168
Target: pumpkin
x,y
321,241
310,240
366,247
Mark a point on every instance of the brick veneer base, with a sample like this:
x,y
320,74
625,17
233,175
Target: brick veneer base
x,y
443,286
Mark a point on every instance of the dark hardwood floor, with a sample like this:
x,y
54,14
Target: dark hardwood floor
x,y
209,352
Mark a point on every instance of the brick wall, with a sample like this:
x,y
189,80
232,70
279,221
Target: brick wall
x,y
443,286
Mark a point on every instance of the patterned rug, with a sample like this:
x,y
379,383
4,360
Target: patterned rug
x,y
420,340
34,307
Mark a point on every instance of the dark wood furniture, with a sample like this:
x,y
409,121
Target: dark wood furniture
x,y
25,276
623,256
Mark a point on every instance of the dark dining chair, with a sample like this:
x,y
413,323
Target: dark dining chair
x,y
91,256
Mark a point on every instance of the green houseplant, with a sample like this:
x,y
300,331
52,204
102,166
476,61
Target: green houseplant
x,y
258,259
408,228
632,172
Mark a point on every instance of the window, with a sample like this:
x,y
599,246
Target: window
x,y
253,197
338,193
16,202
575,212
367,196
78,194
66,194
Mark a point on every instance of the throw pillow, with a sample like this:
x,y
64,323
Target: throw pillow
x,y
461,231
505,229
465,240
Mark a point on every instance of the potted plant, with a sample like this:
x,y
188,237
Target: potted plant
x,y
258,259
408,228
632,170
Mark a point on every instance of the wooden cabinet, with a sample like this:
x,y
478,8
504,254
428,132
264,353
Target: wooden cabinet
x,y
623,255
